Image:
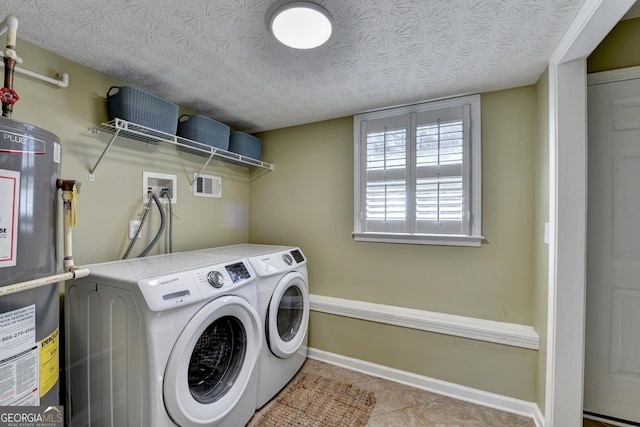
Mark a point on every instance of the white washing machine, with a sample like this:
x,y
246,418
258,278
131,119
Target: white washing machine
x,y
163,341
283,305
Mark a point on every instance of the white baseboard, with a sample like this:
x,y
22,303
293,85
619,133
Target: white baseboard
x,y
512,334
456,391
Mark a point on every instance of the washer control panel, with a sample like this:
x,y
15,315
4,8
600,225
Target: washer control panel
x,y
238,272
187,287
215,279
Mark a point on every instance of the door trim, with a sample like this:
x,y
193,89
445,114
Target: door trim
x,y
611,76
567,201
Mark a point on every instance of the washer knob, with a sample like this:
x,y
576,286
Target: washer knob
x,y
215,279
287,259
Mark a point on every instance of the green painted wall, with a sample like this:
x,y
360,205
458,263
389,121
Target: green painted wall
x,y
541,249
308,201
107,204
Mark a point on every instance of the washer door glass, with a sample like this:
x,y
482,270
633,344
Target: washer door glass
x,y
288,315
217,359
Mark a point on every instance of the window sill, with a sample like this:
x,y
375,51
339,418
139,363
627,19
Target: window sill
x,y
420,239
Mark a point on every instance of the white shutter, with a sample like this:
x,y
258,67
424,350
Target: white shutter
x,y
385,152
441,196
418,173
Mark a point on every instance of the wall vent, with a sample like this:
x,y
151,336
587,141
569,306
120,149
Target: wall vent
x,y
207,186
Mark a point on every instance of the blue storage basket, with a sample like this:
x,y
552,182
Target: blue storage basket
x,y
142,108
204,130
245,144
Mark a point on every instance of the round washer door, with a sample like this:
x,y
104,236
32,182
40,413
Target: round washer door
x,y
212,361
288,315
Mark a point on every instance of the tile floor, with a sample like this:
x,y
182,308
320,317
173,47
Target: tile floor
x,y
400,405
592,423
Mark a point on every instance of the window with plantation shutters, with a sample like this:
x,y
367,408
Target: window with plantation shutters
x,y
417,174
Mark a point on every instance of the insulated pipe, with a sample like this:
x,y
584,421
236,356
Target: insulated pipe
x,y
10,25
69,189
62,80
75,273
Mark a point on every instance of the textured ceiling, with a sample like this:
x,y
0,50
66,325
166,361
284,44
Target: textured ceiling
x,y
218,57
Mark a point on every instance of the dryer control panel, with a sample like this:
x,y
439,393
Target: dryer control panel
x,y
187,287
277,262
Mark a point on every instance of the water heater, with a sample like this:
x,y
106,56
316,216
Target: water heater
x,y
29,320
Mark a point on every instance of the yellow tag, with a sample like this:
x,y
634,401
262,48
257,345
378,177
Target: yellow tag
x,y
49,362
74,209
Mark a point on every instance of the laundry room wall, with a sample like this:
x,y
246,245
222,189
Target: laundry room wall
x,y
106,205
308,201
541,248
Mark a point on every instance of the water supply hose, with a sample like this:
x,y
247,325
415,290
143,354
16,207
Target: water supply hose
x,y
145,212
154,198
160,230
165,193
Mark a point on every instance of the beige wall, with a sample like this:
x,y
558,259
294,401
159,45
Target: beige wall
x,y
541,216
106,205
308,201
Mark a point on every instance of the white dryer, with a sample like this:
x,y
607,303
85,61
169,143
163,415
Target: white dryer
x,y
283,305
163,341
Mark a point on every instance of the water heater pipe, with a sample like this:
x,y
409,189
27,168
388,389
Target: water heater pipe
x,y
69,191
76,273
62,79
10,25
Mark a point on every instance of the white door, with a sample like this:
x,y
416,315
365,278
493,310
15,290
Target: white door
x,y
612,353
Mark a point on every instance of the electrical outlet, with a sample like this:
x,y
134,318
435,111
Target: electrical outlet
x,y
133,228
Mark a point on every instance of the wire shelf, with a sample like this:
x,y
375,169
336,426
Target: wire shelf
x,y
135,132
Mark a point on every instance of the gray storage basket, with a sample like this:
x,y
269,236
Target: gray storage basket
x,y
142,108
245,144
204,130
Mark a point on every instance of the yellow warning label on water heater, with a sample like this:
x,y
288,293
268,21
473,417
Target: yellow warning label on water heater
x,y
49,362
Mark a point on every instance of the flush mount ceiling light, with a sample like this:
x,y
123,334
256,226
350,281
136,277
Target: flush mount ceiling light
x,y
301,25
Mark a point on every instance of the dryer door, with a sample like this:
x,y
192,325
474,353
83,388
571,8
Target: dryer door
x,y
211,362
288,315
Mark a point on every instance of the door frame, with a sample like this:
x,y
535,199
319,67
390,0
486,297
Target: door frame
x,y
568,206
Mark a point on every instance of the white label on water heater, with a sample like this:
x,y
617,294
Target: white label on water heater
x,y
56,152
19,358
9,190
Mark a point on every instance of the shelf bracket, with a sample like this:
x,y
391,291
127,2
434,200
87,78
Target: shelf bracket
x,y
93,169
213,152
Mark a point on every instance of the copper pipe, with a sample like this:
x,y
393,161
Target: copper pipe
x,y
9,67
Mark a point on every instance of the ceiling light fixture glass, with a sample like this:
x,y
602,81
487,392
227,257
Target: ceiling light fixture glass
x,y
301,25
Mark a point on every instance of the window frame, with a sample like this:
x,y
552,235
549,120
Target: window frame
x,y
472,175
